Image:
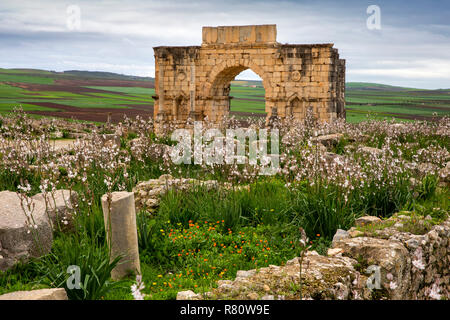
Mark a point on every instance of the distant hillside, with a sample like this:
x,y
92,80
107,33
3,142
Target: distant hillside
x,y
247,83
105,75
375,86
73,74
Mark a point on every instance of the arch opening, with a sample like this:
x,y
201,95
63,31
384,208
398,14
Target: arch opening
x,y
238,91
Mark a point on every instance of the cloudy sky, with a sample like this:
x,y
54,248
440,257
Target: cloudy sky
x,y
412,48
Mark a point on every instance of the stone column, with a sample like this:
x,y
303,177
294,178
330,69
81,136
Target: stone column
x,y
161,88
192,88
192,113
121,232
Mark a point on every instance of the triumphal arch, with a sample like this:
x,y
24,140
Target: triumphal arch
x,y
194,82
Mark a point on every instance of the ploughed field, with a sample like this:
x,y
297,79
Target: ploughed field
x,y
92,96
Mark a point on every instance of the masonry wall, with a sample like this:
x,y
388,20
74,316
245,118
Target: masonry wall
x,y
194,81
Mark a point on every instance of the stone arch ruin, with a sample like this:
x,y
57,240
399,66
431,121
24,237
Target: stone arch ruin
x,y
194,82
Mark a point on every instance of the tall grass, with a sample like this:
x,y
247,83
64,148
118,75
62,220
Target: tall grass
x,y
93,259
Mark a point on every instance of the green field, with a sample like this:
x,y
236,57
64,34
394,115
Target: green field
x,y
73,93
363,101
40,91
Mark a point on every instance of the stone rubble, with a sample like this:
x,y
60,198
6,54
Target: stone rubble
x,y
148,193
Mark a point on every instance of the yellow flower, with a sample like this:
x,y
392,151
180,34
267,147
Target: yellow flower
x,y
159,275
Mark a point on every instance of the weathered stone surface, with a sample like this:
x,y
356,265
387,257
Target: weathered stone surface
x,y
42,294
334,251
354,233
329,140
367,220
22,237
62,145
121,232
391,256
188,295
423,169
340,234
320,276
333,157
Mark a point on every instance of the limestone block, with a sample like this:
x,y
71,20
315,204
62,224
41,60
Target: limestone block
x,y
120,223
42,294
367,220
20,237
390,256
188,295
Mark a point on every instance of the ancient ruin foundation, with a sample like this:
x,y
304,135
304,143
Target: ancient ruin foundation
x,y
194,82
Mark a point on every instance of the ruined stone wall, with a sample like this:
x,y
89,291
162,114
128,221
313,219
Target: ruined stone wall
x,y
194,81
411,267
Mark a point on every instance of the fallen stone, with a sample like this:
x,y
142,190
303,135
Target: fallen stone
x,y
328,140
188,295
353,233
367,220
340,234
320,274
110,139
390,256
42,294
245,273
20,237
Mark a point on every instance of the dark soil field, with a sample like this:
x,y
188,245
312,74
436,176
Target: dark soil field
x,y
94,114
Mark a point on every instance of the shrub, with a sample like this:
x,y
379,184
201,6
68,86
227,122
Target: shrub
x,y
322,209
92,259
427,187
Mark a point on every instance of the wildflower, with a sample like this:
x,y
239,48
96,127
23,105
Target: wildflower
x,y
434,292
137,287
393,285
